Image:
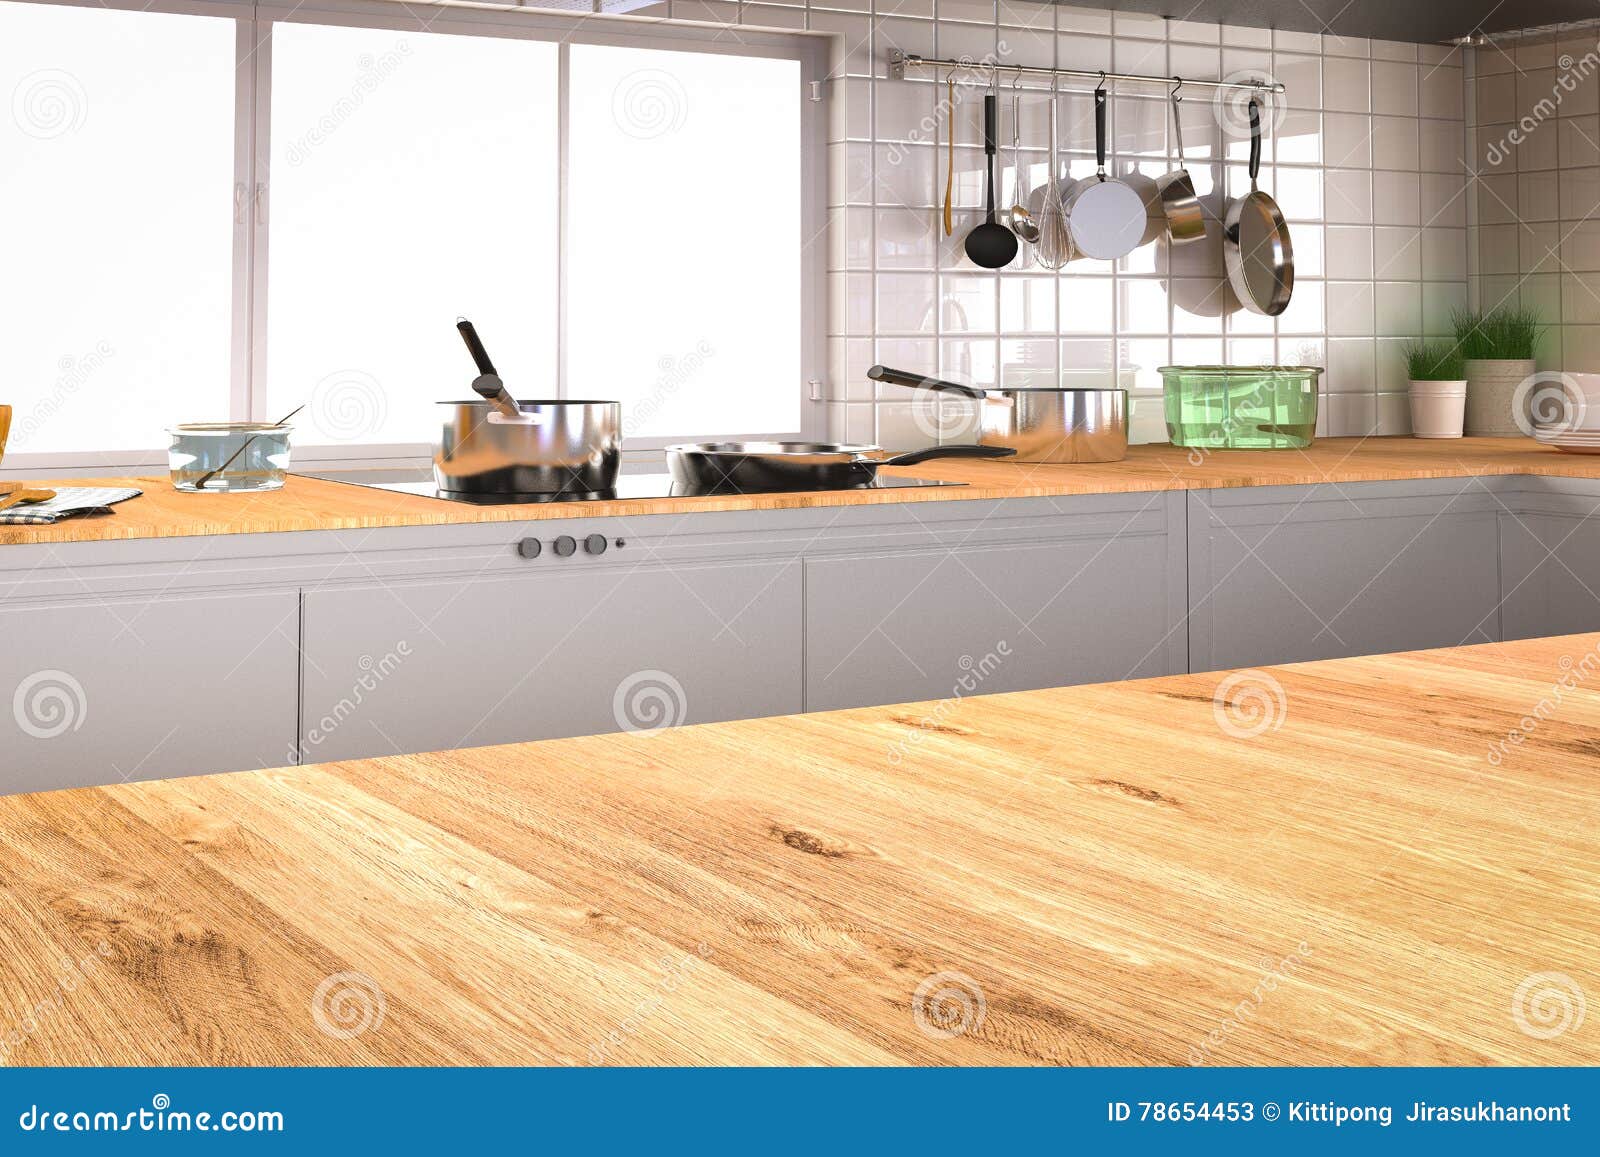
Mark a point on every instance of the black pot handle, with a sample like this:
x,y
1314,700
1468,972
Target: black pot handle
x,y
1100,131
922,382
1255,140
469,334
966,450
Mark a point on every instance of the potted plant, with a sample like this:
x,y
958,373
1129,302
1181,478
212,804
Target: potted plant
x,y
1496,349
1438,389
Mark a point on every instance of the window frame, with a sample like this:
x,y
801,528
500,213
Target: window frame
x,y
254,24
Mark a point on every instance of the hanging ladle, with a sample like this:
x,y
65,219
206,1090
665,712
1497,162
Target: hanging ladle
x,y
991,244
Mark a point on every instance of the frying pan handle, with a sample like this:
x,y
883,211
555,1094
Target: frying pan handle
x,y
960,451
475,346
922,382
1255,139
1100,131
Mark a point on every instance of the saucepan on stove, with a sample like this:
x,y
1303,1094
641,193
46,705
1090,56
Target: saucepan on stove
x,y
758,467
1040,424
499,445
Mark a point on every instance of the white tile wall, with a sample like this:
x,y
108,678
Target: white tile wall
x,y
1365,157
1536,241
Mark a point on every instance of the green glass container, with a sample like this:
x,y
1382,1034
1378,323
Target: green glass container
x,y
1241,407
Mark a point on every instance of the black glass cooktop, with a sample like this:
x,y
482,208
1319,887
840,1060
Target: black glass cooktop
x,y
629,486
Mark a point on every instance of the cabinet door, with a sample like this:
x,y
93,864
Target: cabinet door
x,y
1550,573
939,624
409,667
109,690
1291,574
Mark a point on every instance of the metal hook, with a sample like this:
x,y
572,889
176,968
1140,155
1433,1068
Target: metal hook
x,y
1176,88
1015,84
1101,87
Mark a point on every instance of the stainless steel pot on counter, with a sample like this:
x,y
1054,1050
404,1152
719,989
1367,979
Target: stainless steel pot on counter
x,y
1044,424
554,447
501,445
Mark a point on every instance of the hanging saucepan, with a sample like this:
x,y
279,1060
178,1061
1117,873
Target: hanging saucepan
x,y
1186,221
1255,241
1107,216
760,467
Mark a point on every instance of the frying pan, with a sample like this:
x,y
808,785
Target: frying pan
x,y
1186,221
1107,216
1255,241
753,467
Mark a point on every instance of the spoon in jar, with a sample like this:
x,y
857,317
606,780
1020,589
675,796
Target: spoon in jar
x,y
209,475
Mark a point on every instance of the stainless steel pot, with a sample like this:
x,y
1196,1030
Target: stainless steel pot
x,y
1041,424
553,447
762,467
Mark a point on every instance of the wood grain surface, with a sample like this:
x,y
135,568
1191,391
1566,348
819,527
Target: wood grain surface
x,y
312,504
1316,864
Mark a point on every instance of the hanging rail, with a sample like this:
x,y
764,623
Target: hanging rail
x,y
899,62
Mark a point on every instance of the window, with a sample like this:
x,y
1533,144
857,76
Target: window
x,y
414,181
116,225
685,239
206,216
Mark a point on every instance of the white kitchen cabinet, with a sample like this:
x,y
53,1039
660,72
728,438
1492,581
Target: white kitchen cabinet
x,y
1092,592
1550,558
550,652
102,690
1289,573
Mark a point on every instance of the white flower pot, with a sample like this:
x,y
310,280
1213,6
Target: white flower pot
x,y
1491,386
1437,409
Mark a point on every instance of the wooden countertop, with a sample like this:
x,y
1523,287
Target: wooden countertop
x,y
310,504
1107,873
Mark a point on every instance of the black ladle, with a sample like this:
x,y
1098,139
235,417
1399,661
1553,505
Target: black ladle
x,y
991,244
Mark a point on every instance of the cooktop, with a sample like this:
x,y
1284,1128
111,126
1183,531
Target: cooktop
x,y
629,486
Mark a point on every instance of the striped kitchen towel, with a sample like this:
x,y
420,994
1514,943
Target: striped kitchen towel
x,y
69,502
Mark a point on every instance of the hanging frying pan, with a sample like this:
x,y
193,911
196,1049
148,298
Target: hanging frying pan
x,y
1107,216
1255,241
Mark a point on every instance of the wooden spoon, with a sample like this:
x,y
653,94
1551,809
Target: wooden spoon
x,y
950,170
20,495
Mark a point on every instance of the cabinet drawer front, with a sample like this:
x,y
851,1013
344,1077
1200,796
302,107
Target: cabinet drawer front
x,y
1297,587
121,689
936,624
433,666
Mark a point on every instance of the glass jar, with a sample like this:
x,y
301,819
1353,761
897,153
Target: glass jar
x,y
228,456
1241,407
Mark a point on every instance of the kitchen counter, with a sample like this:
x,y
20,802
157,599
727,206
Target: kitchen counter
x,y
310,504
1106,874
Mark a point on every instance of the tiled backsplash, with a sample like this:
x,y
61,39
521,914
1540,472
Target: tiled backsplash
x,y
1537,156
1364,156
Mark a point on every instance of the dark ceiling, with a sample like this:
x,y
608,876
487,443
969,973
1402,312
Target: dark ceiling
x,y
1422,21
